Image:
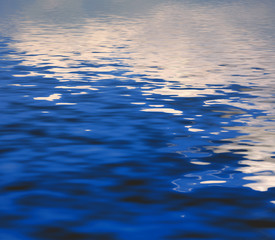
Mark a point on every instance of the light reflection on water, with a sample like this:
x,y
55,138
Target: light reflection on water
x,y
145,92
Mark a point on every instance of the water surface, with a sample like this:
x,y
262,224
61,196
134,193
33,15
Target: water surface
x,y
137,119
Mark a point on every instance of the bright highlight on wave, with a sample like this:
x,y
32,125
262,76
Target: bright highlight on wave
x,y
52,97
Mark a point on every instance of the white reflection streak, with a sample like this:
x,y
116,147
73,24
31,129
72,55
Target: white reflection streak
x,y
164,110
77,87
49,98
212,182
65,104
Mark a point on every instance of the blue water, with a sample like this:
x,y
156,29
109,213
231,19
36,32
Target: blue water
x,y
129,120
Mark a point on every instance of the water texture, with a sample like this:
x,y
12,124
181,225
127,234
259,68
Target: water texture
x,y
129,120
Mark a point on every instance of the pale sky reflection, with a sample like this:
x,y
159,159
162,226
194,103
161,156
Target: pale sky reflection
x,y
176,53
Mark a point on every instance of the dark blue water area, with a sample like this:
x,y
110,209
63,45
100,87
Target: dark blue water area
x,y
101,157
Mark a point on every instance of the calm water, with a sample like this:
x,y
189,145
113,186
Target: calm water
x,y
129,120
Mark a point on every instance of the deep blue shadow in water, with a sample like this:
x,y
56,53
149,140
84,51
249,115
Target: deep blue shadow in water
x,y
114,182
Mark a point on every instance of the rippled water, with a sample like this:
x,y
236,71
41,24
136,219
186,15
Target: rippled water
x,y
137,119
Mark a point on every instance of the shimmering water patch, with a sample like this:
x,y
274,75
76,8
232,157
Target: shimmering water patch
x,y
137,119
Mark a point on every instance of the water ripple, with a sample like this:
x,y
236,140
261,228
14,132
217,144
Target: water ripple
x,y
137,119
